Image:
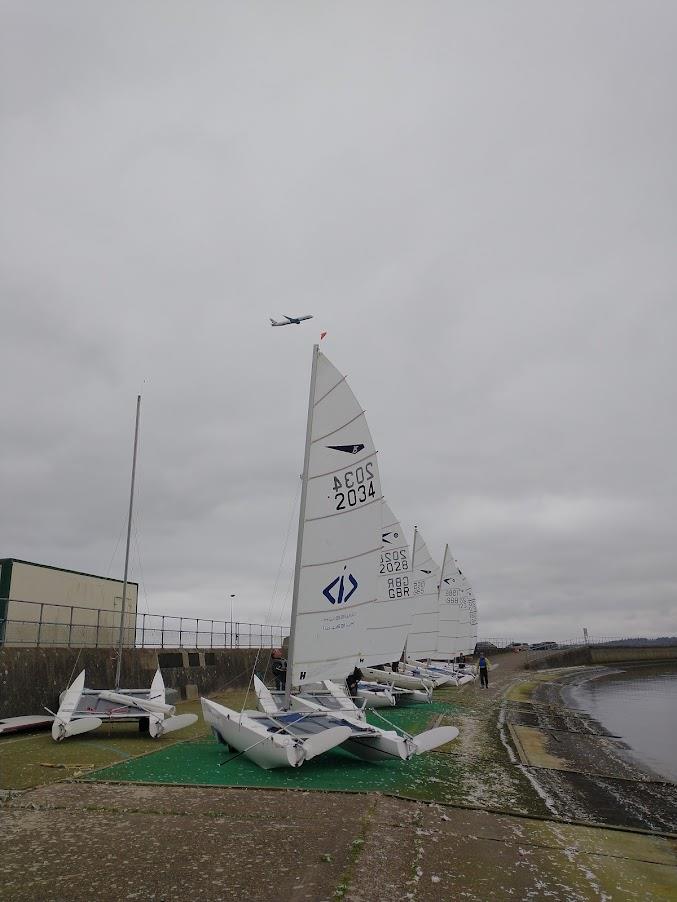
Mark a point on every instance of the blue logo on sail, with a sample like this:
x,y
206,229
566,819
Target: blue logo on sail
x,y
336,592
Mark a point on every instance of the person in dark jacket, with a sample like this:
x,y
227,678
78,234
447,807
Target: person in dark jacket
x,y
279,667
352,680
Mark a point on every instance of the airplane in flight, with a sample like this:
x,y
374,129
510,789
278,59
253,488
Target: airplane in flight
x,y
288,320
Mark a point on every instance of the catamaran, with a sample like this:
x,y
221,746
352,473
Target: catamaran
x,y
441,628
455,633
335,585
82,710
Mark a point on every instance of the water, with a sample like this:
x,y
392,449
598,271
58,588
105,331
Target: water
x,y
639,704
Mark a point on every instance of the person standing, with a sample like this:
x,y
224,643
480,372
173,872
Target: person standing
x,y
483,665
352,680
279,667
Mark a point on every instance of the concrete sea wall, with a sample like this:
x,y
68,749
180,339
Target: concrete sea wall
x,y
598,655
32,678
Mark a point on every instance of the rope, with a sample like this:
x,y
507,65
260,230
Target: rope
x,y
268,618
396,728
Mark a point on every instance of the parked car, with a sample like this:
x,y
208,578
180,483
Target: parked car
x,y
543,646
518,646
486,647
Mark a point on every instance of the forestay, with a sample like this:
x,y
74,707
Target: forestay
x,y
339,533
452,601
390,618
422,640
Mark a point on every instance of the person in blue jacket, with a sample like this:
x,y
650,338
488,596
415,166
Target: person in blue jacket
x,y
483,665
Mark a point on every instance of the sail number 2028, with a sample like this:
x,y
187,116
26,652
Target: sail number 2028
x,y
354,487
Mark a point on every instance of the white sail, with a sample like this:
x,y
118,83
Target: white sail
x,y
339,534
422,640
453,609
390,618
468,638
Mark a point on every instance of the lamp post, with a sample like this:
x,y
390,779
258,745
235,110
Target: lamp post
x,y
231,620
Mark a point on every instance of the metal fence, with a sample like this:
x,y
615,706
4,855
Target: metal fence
x,y
34,623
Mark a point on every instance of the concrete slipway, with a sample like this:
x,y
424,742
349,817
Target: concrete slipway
x,y
494,833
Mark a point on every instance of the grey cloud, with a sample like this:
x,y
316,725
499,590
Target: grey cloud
x,y
478,203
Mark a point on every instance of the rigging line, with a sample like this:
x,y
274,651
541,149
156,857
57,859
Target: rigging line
x,y
272,597
137,546
117,545
396,728
284,548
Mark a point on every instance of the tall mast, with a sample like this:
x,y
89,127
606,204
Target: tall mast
x,y
411,570
302,517
129,534
444,563
439,592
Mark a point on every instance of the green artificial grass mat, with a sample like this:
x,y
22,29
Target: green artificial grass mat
x,y
433,775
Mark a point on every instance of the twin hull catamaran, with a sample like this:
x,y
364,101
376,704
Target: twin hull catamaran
x,y
82,710
335,591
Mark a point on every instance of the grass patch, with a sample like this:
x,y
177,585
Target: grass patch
x,y
356,848
28,760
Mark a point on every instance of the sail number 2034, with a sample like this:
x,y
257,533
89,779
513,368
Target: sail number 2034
x,y
354,487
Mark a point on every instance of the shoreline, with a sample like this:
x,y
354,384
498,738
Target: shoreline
x,y
576,765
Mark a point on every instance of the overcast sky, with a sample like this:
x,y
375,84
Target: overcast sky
x,y
476,200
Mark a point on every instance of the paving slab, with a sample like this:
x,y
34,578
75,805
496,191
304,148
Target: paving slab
x,y
81,842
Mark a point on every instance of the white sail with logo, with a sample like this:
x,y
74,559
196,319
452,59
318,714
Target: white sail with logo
x,y
390,619
452,608
468,632
422,640
339,544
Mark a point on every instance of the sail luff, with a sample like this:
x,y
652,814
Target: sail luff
x,y
452,600
422,639
390,618
299,540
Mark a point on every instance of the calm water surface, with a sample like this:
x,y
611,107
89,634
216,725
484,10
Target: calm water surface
x,y
638,704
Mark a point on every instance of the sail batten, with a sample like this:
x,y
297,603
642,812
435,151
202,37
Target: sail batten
x,y
361,460
321,438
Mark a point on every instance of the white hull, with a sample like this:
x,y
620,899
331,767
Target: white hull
x,y
437,678
458,677
266,741
402,680
243,733
366,741
375,695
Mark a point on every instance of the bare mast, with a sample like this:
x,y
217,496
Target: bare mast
x,y
129,534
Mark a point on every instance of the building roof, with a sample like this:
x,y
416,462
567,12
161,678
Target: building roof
x,y
15,560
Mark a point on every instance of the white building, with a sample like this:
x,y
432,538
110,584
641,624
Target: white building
x,y
43,605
